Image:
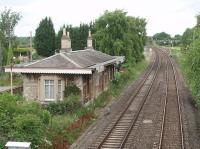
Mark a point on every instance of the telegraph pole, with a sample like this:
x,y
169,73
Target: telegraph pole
x,y
31,46
11,74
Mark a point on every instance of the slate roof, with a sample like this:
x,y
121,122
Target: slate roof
x,y
52,62
72,60
87,58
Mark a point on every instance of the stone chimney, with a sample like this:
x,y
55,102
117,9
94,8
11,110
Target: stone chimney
x,y
65,42
89,40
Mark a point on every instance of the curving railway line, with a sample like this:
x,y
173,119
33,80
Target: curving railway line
x,y
163,129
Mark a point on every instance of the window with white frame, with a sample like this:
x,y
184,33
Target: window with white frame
x,y
59,89
49,89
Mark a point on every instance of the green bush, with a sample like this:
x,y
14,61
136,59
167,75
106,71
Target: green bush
x,y
28,127
72,103
56,107
8,109
71,89
21,120
117,78
1,146
68,105
46,117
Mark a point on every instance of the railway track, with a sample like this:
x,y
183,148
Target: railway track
x,y
172,135
116,135
169,133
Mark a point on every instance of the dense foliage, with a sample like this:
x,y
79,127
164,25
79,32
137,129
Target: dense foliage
x,y
119,34
187,38
71,89
44,41
8,20
177,40
21,120
162,38
68,105
165,39
192,59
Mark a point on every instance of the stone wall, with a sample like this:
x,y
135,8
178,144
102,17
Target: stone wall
x,y
33,85
78,80
30,86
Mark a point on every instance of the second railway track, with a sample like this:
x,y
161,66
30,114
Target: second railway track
x,y
168,130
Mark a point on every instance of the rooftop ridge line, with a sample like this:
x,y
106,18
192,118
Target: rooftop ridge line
x,y
40,60
66,57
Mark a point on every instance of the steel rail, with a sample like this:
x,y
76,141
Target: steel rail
x,y
138,112
179,106
165,105
156,62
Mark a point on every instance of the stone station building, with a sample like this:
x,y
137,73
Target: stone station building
x,y
88,69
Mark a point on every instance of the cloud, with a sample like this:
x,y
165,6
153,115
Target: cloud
x,y
171,16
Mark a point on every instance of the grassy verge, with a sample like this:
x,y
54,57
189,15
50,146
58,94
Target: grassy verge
x,y
68,127
191,81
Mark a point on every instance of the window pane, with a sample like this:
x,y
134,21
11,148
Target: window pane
x,y
51,91
51,82
46,82
59,89
46,91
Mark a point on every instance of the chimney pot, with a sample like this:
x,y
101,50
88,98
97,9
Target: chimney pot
x,y
64,32
65,42
89,40
68,34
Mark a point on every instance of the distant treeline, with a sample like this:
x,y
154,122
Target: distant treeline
x,y
165,39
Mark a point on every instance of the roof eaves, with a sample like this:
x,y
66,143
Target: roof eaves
x,y
50,71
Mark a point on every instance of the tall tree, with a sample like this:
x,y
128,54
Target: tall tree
x,y
44,40
8,21
119,34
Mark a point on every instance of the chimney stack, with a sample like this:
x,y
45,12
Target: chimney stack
x,y
65,42
89,40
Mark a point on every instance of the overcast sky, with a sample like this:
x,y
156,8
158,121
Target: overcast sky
x,y
171,16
